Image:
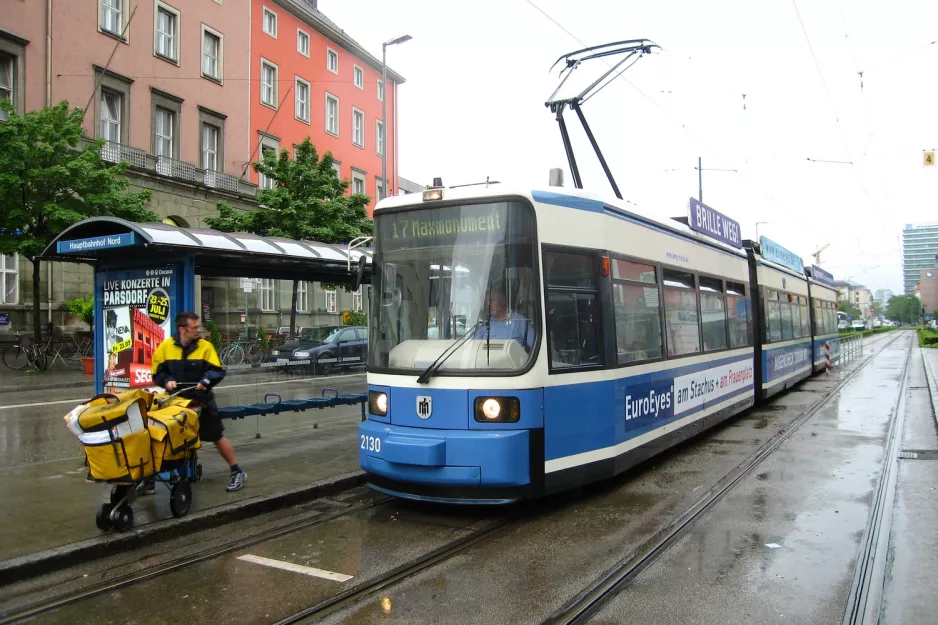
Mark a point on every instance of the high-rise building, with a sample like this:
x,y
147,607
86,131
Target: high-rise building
x,y
883,295
919,251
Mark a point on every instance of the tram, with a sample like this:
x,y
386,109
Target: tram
x,y
523,342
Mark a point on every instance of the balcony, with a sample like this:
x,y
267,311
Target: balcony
x,y
175,169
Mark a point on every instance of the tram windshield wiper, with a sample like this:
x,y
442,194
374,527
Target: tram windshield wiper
x,y
452,349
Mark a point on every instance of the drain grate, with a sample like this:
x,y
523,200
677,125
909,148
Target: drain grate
x,y
919,454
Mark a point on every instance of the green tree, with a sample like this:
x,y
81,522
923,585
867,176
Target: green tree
x,y
48,182
357,318
307,202
904,308
849,308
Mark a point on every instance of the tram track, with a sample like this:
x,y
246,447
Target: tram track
x,y
587,603
31,610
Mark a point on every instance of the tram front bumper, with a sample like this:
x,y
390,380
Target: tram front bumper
x,y
474,458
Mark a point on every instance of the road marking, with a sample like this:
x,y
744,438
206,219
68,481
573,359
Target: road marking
x,y
296,568
78,400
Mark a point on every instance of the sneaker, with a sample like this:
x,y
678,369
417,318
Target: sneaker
x,y
236,481
146,488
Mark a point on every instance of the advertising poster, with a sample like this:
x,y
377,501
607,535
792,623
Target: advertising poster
x,y
137,309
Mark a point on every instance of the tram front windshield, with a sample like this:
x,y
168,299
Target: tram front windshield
x,y
454,278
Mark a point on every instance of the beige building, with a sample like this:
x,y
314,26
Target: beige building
x,y
165,87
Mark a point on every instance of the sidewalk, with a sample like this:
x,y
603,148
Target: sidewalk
x,y
49,505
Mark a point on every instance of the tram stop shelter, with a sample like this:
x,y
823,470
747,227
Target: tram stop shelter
x,y
145,274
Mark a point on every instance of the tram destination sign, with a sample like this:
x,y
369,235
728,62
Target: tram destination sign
x,y
775,253
822,276
713,224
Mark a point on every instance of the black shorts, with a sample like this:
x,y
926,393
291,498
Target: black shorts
x,y
210,425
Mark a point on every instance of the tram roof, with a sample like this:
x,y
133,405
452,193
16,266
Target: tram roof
x,y
579,200
110,240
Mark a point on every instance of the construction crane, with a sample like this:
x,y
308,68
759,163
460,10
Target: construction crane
x,y
817,254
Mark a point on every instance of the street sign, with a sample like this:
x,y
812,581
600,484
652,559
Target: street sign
x,y
247,285
929,159
346,316
106,242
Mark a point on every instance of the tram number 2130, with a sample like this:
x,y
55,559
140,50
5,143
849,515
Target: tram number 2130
x,y
371,443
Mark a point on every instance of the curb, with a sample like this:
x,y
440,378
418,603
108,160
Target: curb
x,y
35,564
930,379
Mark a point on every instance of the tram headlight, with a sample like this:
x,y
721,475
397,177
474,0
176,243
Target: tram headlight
x,y
378,403
497,409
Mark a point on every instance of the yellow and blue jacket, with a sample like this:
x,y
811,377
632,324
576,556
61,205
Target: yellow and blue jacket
x,y
196,362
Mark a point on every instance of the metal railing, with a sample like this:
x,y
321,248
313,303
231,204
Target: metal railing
x,y
220,180
166,166
118,153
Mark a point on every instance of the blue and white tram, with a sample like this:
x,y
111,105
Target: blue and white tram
x,y
522,342
783,344
823,301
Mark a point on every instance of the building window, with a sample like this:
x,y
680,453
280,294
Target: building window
x,y
357,300
332,60
6,81
302,296
358,76
358,182
302,100
268,146
337,166
379,188
9,279
270,22
211,53
167,28
302,42
380,90
112,16
109,127
358,128
330,301
210,147
332,115
379,137
266,294
268,84
163,127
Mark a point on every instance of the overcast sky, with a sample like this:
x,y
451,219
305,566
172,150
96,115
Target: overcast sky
x,y
477,78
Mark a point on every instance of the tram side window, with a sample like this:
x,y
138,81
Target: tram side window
x,y
638,320
805,317
831,320
680,312
819,317
572,310
712,314
773,317
737,312
785,314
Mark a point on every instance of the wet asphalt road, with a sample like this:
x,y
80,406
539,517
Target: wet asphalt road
x,y
779,548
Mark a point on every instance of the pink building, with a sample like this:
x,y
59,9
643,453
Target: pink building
x,y
160,78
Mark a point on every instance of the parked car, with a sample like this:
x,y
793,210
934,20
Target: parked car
x,y
325,348
858,324
843,324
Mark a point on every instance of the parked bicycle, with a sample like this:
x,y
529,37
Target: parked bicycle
x,y
23,355
242,351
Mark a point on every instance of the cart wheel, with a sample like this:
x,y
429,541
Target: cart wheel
x,y
123,518
117,493
180,498
198,473
103,518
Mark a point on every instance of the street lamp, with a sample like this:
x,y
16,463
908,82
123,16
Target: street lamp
x,y
760,223
384,109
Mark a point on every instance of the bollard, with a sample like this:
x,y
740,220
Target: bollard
x,y
827,356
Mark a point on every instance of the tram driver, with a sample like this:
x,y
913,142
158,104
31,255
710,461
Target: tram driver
x,y
504,325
